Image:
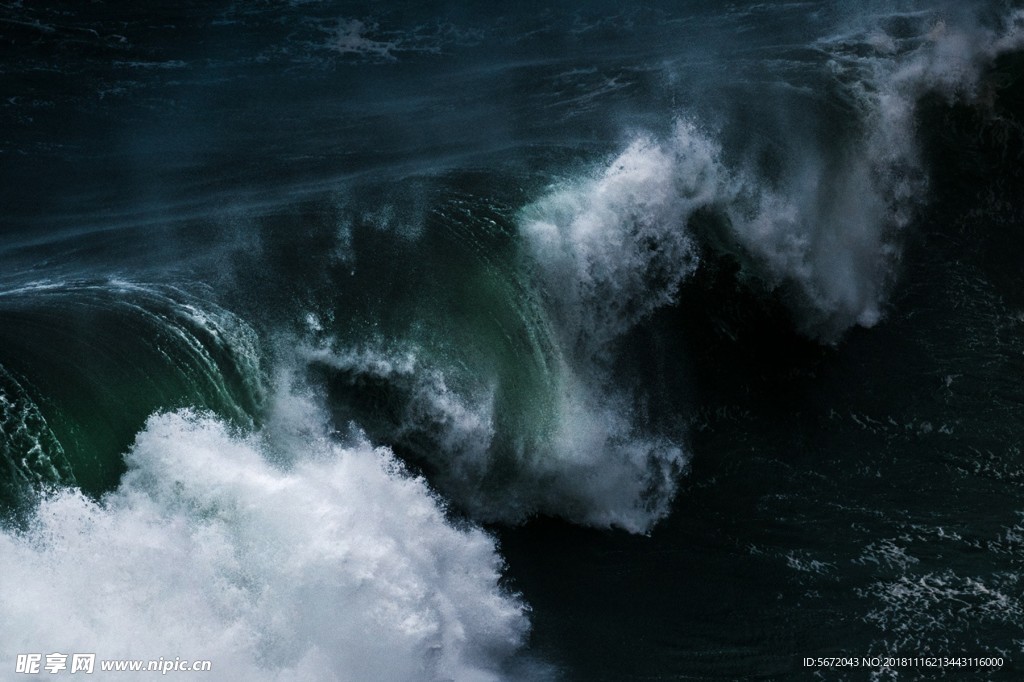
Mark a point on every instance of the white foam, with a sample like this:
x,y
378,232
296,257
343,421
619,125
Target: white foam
x,y
461,423
32,453
603,468
614,246
352,37
582,457
340,567
851,237
932,611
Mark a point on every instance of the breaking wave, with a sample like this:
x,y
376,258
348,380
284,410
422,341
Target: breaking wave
x,y
823,227
560,449
333,564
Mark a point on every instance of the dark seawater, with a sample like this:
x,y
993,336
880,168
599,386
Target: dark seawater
x,y
423,341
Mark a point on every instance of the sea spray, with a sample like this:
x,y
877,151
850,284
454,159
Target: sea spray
x,y
611,249
340,566
567,450
824,228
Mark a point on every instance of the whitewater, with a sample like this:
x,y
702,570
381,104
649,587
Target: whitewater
x,y
426,343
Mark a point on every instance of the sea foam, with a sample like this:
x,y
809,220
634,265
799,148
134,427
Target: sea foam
x,y
615,244
333,564
580,455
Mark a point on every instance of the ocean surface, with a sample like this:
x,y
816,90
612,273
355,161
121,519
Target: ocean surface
x,y
513,341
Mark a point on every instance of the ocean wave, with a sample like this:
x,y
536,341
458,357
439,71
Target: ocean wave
x,y
82,401
823,228
30,454
337,566
561,449
613,248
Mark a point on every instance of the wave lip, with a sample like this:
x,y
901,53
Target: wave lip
x,y
822,226
612,249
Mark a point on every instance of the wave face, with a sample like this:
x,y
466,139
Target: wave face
x,y
95,358
314,315
33,456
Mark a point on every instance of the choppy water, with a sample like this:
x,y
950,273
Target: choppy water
x,y
412,341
